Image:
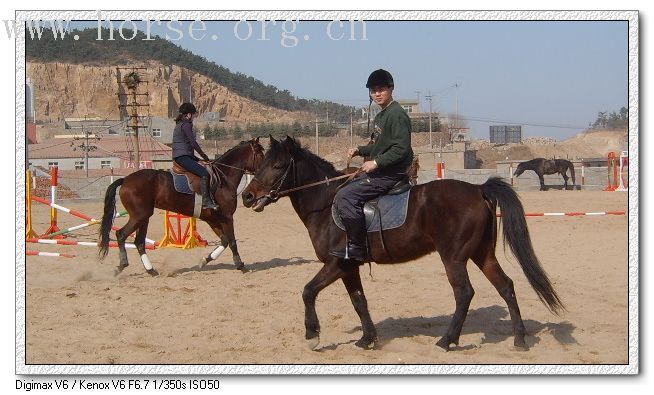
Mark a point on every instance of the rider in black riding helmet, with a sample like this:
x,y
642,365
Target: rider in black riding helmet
x,y
183,145
391,155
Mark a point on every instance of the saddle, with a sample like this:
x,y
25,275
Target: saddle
x,y
388,211
188,183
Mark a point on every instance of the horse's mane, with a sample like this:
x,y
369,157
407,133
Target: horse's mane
x,y
226,154
320,163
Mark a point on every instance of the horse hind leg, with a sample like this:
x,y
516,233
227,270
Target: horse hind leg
x,y
457,275
121,236
565,180
140,247
504,286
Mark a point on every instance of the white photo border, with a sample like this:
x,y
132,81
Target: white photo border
x,y
632,17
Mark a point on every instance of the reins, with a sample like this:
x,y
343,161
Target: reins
x,y
313,184
275,193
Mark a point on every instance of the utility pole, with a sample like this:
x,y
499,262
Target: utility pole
x,y
317,150
456,109
351,126
327,118
132,81
418,93
428,97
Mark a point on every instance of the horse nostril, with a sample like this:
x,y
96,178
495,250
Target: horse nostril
x,y
248,197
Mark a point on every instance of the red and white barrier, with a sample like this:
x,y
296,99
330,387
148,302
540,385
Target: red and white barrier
x,y
39,253
572,214
81,243
77,214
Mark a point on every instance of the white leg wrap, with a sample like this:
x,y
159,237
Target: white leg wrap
x,y
197,205
146,262
216,253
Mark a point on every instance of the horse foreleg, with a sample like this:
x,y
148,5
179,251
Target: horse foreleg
x,y
463,293
226,235
228,229
329,273
139,242
353,285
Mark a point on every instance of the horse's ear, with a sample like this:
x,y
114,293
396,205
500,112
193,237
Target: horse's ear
x,y
256,140
273,141
289,144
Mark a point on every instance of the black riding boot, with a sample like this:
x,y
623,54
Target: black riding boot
x,y
355,248
207,200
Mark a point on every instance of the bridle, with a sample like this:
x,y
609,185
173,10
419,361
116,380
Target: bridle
x,y
274,194
254,157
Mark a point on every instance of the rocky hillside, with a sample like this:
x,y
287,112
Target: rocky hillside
x,y
64,90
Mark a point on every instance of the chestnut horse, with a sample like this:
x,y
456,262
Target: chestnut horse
x,y
455,218
146,189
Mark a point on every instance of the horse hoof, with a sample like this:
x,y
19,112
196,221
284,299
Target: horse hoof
x,y
444,343
366,343
243,269
520,345
153,272
313,343
119,269
203,263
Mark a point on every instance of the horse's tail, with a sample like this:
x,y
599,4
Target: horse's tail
x,y
517,235
108,216
571,166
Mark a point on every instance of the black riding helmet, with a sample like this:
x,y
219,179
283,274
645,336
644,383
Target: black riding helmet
x,y
380,77
187,108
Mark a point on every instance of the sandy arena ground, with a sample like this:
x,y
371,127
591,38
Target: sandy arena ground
x,y
78,312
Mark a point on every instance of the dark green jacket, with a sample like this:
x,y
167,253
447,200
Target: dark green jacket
x,y
392,150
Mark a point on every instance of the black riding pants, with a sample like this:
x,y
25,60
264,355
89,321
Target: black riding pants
x,y
192,165
350,199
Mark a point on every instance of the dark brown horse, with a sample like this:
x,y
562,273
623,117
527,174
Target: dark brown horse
x,y
146,189
542,166
452,217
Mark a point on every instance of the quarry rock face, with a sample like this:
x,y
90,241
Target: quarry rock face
x,y
64,90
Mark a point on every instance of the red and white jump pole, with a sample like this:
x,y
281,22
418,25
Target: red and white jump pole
x,y
77,214
572,214
39,253
82,243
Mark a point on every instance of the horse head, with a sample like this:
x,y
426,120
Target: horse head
x,y
273,175
519,170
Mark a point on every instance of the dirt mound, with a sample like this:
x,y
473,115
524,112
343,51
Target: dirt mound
x,y
589,144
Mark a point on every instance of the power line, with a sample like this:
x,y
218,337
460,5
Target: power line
x,y
548,125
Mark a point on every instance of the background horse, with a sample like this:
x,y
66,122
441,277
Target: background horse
x,y
146,189
547,166
455,218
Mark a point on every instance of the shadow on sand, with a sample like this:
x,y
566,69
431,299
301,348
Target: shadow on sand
x,y
493,322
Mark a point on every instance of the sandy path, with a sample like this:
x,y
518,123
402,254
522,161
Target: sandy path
x,y
78,312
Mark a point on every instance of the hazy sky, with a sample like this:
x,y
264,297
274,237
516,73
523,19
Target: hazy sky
x,y
551,77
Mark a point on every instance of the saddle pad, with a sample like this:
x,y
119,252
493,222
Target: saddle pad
x,y
393,209
181,183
